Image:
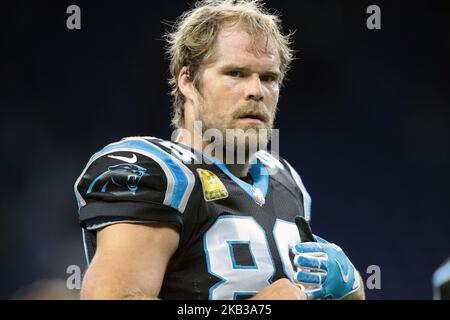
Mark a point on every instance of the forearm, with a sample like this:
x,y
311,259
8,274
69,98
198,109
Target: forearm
x,y
359,294
101,285
88,292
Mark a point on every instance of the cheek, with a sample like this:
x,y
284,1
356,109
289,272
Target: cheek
x,y
222,97
214,88
272,95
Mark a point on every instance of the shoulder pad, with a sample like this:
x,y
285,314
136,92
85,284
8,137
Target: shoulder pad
x,y
135,169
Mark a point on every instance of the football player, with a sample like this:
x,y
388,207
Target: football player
x,y
171,219
441,282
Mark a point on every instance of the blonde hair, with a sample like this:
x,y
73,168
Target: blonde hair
x,y
192,40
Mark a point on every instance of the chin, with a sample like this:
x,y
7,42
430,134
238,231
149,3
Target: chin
x,y
248,126
249,144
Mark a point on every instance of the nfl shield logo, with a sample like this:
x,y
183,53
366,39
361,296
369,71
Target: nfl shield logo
x,y
259,197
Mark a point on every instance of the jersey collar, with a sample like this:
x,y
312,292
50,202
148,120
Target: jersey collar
x,y
260,177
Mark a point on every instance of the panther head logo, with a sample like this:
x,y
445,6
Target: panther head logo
x,y
118,177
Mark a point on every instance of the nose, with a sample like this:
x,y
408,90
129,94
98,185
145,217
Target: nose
x,y
254,90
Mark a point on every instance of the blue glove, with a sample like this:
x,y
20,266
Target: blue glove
x,y
324,270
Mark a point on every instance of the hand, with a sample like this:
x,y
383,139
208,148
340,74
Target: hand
x,y
324,270
281,289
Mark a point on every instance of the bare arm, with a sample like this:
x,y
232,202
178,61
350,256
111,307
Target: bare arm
x,y
360,294
130,261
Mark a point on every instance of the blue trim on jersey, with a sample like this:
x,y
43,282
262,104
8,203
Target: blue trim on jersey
x,y
290,246
181,180
307,200
238,266
95,181
441,275
258,171
104,187
260,176
236,295
208,266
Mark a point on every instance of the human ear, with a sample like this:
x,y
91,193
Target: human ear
x,y
186,84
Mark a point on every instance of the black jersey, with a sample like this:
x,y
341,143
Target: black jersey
x,y
235,237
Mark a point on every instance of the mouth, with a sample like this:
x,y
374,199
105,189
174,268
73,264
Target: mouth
x,y
253,117
132,181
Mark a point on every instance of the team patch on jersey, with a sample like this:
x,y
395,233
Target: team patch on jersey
x,y
121,176
213,188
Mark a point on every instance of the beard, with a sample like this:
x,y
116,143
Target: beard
x,y
240,139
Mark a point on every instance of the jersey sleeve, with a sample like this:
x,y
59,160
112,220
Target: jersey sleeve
x,y
133,180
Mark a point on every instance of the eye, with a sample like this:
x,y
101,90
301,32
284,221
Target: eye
x,y
268,78
235,73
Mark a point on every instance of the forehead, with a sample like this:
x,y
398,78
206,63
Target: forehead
x,y
234,45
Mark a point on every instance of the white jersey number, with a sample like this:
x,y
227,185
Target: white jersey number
x,y
237,280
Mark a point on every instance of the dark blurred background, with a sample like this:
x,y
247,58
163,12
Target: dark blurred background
x,y
364,118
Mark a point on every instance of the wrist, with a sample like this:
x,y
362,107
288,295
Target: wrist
x,y
359,294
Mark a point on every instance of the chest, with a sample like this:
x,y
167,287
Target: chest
x,y
247,246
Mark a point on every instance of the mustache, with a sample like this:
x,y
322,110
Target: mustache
x,y
255,109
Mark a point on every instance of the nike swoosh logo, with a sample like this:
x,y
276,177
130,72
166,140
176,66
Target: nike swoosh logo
x,y
133,159
344,276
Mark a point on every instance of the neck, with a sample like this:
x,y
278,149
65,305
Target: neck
x,y
187,138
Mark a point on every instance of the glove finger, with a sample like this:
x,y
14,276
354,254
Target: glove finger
x,y
307,247
310,262
309,277
320,239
